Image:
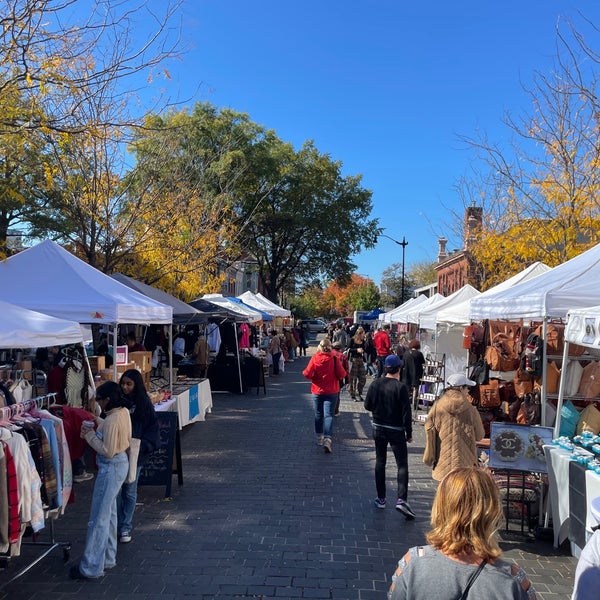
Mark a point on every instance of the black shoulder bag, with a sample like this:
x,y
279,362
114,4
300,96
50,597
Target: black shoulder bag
x,y
472,579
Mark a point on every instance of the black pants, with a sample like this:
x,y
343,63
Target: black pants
x,y
397,441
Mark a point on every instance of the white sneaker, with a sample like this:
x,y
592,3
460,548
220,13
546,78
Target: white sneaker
x,y
320,439
85,476
327,445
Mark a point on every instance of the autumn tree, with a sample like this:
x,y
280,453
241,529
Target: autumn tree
x,y
540,194
360,293
68,78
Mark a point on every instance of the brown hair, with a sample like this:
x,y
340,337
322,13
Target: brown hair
x,y
415,345
465,514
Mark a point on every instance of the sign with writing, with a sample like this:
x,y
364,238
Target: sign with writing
x,y
519,447
121,355
165,461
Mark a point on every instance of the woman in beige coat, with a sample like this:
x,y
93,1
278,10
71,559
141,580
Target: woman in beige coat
x,y
458,426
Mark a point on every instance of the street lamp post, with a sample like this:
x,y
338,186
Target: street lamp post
x,y
403,243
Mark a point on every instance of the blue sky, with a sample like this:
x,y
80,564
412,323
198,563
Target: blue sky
x,y
384,86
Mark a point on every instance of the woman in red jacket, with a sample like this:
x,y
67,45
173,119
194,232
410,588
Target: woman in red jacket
x,y
325,371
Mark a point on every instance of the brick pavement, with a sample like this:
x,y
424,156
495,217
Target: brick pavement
x,y
264,513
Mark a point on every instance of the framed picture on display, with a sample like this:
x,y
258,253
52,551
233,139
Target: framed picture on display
x,y
519,447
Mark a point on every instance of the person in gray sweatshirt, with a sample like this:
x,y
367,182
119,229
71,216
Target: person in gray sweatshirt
x,y
463,555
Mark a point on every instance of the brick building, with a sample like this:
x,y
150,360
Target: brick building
x,y
457,268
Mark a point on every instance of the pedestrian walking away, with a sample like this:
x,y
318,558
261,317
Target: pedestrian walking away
x,y
383,347
463,556
387,398
453,428
324,370
412,371
341,356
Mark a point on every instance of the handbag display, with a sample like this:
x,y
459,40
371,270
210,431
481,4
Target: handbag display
x,y
489,395
133,453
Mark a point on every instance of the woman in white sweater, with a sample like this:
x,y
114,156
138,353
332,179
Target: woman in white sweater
x,y
110,439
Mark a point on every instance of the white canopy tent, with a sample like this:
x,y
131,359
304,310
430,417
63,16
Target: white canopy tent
x,y
428,315
398,315
279,310
48,279
460,313
453,318
247,314
571,285
22,328
549,295
412,314
386,317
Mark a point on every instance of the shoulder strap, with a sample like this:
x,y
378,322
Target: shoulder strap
x,y
472,579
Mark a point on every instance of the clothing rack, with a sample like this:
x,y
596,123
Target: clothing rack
x,y
5,414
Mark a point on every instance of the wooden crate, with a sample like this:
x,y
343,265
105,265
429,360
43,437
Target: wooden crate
x,y
97,363
142,360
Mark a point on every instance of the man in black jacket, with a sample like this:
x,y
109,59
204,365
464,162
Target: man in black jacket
x,y
387,398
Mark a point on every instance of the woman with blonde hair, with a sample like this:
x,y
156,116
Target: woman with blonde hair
x,y
357,355
463,552
325,370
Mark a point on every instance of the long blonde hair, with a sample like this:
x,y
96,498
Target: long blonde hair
x,y
465,514
359,335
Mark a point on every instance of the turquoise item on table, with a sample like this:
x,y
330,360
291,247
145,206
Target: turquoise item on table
x,y
569,416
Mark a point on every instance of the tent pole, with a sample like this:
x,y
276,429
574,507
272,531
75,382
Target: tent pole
x,y
171,357
115,327
544,369
561,390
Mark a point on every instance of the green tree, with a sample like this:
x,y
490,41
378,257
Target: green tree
x,y
418,274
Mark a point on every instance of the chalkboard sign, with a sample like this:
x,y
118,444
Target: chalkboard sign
x,y
165,461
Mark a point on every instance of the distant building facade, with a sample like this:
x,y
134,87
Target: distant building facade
x,y
457,268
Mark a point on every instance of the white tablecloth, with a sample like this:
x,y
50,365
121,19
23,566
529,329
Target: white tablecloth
x,y
191,400
558,460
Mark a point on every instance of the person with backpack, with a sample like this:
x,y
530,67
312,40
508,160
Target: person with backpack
x,y
412,373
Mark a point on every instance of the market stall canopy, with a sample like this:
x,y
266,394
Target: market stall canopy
x,y
428,316
583,327
412,314
215,311
265,315
388,317
183,313
460,314
261,303
372,314
281,312
570,285
49,279
23,328
241,312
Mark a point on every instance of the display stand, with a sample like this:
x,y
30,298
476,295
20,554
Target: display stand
x,y
432,382
52,544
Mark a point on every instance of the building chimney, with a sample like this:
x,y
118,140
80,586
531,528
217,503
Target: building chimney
x,y
442,253
472,224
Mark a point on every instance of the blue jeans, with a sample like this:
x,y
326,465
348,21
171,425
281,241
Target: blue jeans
x,y
126,499
101,539
324,405
397,441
